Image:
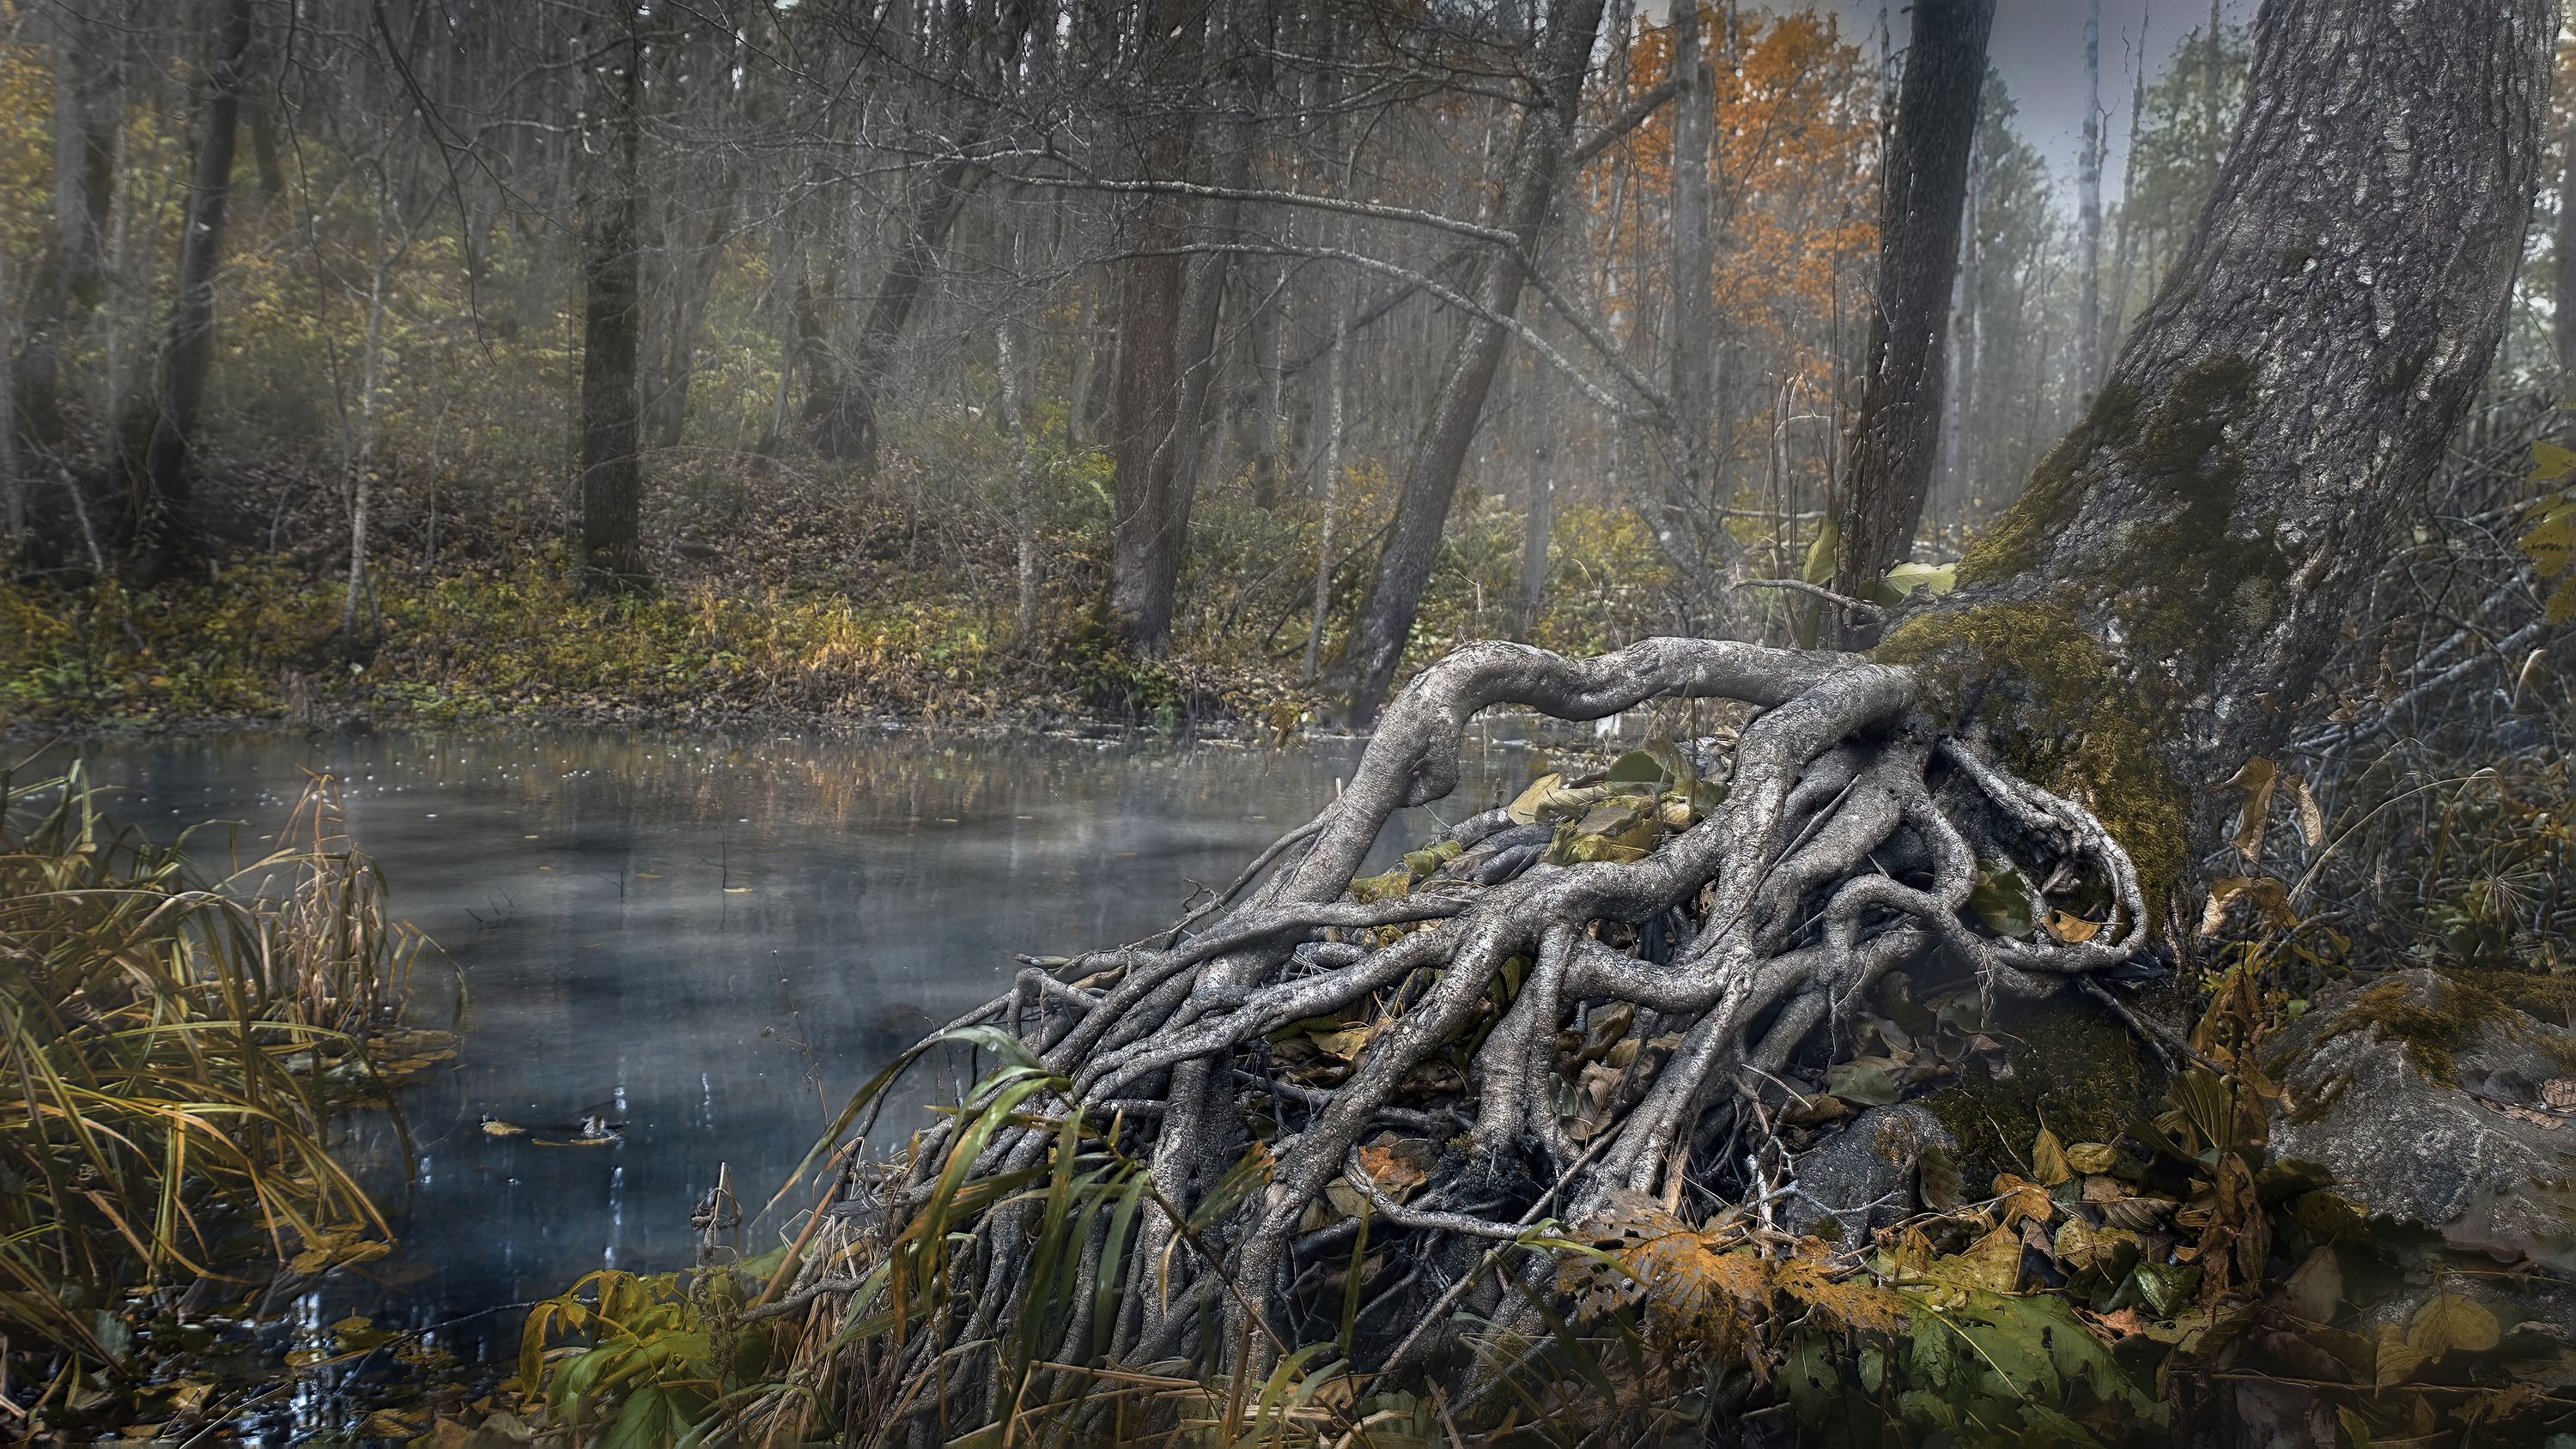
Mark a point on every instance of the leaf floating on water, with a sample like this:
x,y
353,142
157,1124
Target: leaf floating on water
x,y
495,1127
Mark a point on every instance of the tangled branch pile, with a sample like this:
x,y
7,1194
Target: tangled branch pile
x,y
1195,1144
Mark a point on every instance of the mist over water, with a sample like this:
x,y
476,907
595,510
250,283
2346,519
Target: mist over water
x,y
711,943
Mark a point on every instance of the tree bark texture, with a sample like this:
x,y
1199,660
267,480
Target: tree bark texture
x,y
1376,646
1895,438
163,533
1152,525
611,473
2158,600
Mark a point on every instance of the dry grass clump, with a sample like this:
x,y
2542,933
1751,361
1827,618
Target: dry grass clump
x,y
172,1048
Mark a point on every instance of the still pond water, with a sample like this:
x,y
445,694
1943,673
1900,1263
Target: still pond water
x,y
710,942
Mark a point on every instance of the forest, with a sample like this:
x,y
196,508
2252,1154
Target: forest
x,y
653,658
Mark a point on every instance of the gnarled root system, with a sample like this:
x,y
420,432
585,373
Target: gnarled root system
x,y
1316,1062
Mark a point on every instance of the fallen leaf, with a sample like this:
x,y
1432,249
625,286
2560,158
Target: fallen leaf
x,y
2315,1290
2048,1160
2559,1093
2091,1158
2312,816
495,1127
2072,929
2257,780
2450,1322
2022,1199
2397,1360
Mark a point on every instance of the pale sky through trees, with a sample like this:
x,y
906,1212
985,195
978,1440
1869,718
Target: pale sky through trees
x,y
2038,46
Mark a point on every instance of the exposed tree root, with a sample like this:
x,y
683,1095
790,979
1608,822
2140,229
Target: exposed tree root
x,y
1850,836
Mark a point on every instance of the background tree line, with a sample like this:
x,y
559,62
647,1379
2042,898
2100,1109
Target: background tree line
x,y
1308,332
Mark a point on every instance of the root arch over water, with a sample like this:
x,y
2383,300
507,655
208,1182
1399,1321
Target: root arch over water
x,y
1851,835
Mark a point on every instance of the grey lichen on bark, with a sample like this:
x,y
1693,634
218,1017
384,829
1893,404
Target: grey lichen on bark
x,y
2281,405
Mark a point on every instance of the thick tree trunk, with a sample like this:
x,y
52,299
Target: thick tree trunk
x,y
2155,606
1895,436
1146,433
164,536
1376,647
611,473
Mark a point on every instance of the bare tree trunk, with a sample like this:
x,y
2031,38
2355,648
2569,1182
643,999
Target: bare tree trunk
x,y
1024,492
842,422
2088,214
362,483
1376,647
1151,528
69,278
164,536
1694,247
2562,319
1535,537
612,482
2183,557
1328,482
691,283
2122,249
1896,434
13,480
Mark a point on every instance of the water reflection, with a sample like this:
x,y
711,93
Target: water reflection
x,y
710,942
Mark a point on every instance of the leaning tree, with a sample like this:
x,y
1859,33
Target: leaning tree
x,y
2142,622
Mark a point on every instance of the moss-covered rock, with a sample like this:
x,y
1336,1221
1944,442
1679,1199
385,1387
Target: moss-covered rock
x,y
2437,1102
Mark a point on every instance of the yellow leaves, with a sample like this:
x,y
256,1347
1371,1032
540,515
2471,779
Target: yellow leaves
x,y
2257,779
2091,1158
2449,1322
1991,1264
2020,1199
1398,1166
2072,929
335,1249
495,1127
2269,898
2551,539
2080,1245
1853,1305
2048,1160
1550,798
1345,1044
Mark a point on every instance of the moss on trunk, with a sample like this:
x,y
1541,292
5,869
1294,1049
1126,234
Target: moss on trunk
x,y
2066,713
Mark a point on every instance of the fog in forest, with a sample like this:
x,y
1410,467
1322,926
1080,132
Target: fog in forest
x,y
1601,723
